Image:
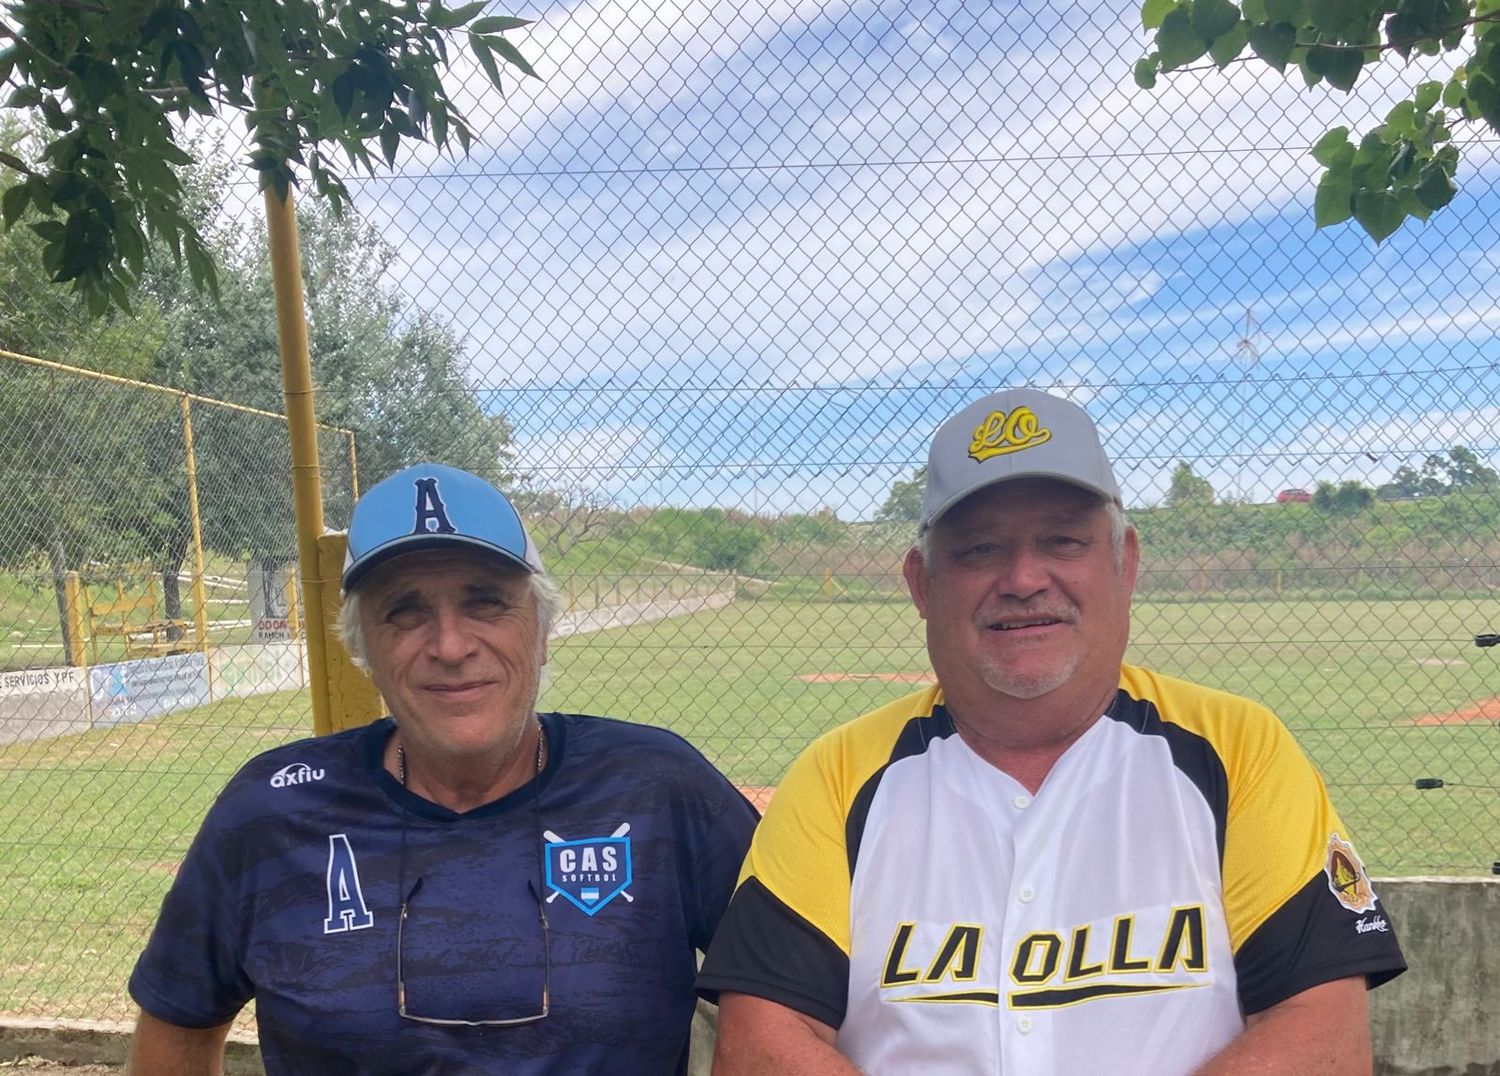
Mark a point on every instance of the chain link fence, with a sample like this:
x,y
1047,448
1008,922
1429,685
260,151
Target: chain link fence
x,y
700,297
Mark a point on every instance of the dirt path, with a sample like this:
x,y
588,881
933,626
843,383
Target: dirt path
x,y
1488,710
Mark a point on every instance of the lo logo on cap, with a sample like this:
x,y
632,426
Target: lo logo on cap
x,y
1001,434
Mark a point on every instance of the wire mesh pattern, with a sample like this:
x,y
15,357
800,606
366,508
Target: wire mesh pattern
x,y
699,298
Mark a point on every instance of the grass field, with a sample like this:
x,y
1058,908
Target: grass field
x,y
91,826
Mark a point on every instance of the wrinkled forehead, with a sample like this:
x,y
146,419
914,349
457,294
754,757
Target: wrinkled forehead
x,y
427,568
1023,501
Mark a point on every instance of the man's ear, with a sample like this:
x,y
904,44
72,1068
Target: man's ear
x,y
915,572
1130,560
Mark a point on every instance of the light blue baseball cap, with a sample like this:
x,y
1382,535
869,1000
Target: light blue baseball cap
x,y
431,506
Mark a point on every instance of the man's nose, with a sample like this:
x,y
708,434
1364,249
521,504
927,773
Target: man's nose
x,y
1023,574
451,640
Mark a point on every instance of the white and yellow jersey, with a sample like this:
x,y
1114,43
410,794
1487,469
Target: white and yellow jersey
x,y
1180,867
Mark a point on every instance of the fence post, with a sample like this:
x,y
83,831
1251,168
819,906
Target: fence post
x,y
200,598
294,625
352,698
297,386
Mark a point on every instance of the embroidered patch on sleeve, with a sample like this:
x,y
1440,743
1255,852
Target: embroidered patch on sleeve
x,y
1347,879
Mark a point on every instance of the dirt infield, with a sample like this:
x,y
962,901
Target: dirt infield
x,y
760,795
1488,710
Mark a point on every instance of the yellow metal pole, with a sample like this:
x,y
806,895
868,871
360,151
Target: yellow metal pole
x,y
353,465
200,599
294,626
296,381
355,700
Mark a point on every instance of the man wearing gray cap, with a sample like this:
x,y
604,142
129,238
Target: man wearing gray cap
x,y
1050,862
466,886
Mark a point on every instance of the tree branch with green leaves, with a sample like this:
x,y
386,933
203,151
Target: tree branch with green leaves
x,y
115,84
1403,167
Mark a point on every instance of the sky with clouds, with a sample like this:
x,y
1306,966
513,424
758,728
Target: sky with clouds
x,y
751,254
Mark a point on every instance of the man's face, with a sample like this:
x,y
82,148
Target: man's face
x,y
1021,593
454,647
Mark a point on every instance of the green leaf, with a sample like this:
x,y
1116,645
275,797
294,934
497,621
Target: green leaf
x,y
1435,189
1274,44
481,50
174,154
95,297
1331,202
1331,17
1412,206
1145,72
512,55
1428,94
1404,162
25,97
1227,47
1284,11
452,19
1400,121
1154,11
1484,95
390,142
1379,213
1177,41
50,230
1255,12
1453,94
1340,66
343,93
120,296
1213,18
1334,148
1372,162
13,203
498,24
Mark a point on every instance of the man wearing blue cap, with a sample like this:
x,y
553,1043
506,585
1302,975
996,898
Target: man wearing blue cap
x,y
1051,861
466,886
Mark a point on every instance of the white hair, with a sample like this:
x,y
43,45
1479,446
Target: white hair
x,y
549,605
1118,525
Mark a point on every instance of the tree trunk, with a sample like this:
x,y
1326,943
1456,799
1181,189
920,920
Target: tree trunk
x,y
58,559
171,589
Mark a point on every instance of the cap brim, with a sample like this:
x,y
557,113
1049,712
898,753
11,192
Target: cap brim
x,y
416,543
1072,480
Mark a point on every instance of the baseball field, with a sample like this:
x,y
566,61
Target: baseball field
x,y
1380,694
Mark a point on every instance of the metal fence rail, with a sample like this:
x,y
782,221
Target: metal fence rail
x,y
700,296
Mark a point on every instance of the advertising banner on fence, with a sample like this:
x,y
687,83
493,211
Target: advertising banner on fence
x,y
35,703
269,616
134,690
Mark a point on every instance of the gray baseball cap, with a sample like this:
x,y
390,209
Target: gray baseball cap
x,y
1014,433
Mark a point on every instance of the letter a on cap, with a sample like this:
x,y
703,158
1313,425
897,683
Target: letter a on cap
x,y
430,509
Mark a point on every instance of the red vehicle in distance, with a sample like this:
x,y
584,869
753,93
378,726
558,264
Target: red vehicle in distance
x,y
1293,496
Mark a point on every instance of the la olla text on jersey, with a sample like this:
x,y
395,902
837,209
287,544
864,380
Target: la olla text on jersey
x,y
1051,969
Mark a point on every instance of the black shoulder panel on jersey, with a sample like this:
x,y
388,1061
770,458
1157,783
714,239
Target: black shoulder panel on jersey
x,y
915,735
1191,753
777,955
1313,939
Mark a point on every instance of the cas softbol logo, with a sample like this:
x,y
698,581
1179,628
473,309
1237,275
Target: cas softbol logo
x,y
589,872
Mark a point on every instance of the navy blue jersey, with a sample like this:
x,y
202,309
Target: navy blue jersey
x,y
630,842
